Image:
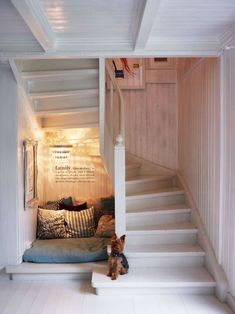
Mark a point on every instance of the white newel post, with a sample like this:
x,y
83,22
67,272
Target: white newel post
x,y
120,186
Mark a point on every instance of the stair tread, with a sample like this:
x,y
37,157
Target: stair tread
x,y
161,209
155,277
164,249
163,227
132,165
67,111
170,190
147,178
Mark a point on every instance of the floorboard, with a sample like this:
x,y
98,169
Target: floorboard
x,y
78,297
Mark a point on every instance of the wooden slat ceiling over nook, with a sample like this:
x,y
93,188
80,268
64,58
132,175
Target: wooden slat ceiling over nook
x,y
121,27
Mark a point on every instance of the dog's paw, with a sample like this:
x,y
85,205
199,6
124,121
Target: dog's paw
x,y
114,277
109,274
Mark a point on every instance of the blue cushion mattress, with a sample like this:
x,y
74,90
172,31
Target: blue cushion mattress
x,y
71,250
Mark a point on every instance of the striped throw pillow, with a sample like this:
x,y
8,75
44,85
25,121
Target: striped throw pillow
x,y
80,224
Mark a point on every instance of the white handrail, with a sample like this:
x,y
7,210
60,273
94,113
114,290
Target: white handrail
x,y
121,101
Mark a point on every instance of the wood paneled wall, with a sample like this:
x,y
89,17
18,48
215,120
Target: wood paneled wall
x,y
199,140
151,123
227,252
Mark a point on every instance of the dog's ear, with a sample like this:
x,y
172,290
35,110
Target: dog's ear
x,y
114,237
123,237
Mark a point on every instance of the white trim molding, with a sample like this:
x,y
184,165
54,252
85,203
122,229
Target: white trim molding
x,y
146,23
33,15
231,302
212,264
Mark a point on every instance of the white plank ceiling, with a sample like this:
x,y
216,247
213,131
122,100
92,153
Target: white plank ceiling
x,y
14,32
124,27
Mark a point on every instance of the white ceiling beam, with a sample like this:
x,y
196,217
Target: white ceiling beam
x,y
146,23
33,15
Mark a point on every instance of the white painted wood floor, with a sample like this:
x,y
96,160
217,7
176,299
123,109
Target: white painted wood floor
x,y
77,297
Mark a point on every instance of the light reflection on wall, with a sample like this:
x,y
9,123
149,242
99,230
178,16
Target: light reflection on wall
x,y
73,166
84,141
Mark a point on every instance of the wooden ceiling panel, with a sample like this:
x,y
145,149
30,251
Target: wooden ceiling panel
x,y
102,20
194,18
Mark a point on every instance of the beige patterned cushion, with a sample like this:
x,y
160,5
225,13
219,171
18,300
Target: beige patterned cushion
x,y
80,224
51,224
106,226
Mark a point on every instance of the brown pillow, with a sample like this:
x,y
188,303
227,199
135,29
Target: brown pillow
x,y
75,208
106,227
51,224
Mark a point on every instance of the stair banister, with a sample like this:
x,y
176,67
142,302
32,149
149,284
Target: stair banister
x,y
118,154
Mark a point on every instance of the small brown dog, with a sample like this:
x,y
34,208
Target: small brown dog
x,y
117,262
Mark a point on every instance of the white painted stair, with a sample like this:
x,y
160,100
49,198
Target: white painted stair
x,y
157,280
161,240
64,93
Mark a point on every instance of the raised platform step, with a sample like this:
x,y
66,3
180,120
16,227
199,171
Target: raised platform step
x,y
155,280
138,184
53,271
161,215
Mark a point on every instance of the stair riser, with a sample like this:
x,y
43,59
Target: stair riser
x,y
51,276
135,187
71,102
154,291
39,86
65,121
156,219
166,261
163,238
153,201
132,172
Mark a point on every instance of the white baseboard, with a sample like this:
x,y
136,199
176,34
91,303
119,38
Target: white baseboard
x,y
212,264
231,301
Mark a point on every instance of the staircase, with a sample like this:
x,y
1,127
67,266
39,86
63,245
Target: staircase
x,y
161,247
64,93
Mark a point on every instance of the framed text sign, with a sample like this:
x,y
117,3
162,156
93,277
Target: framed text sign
x,y
30,173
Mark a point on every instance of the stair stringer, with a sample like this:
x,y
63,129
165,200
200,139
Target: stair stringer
x,y
211,262
148,167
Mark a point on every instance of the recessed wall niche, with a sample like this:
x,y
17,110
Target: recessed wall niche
x,y
72,165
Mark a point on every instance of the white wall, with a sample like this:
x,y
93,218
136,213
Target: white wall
x,y
227,252
199,140
17,227
27,129
8,168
